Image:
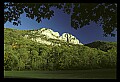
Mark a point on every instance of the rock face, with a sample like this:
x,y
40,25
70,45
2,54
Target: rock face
x,y
49,33
44,35
69,38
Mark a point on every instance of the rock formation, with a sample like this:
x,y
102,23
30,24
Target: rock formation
x,y
44,35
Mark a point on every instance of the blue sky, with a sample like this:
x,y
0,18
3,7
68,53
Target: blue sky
x,y
60,22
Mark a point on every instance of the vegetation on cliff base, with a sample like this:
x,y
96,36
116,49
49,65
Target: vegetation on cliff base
x,y
24,54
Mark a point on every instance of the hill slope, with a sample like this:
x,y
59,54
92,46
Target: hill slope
x,y
46,36
104,46
22,51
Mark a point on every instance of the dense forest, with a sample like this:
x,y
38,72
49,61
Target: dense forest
x,y
24,54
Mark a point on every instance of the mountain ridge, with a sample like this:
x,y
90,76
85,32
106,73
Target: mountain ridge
x,y
25,54
50,34
49,37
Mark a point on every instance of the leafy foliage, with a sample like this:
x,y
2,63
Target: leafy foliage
x,y
104,46
82,14
24,54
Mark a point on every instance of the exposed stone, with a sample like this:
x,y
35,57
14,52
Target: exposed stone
x,y
69,38
48,33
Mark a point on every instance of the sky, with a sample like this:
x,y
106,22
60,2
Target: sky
x,y
60,22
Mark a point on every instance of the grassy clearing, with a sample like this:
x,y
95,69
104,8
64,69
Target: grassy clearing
x,y
66,74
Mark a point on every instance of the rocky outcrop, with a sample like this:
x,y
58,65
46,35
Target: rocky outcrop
x,y
69,38
49,33
42,35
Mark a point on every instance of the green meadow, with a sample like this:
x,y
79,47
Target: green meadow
x,y
64,74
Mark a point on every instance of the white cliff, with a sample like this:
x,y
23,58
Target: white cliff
x,y
69,38
49,33
44,34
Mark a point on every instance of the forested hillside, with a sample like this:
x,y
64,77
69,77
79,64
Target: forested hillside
x,y
21,53
104,46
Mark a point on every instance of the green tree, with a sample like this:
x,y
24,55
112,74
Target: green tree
x,y
82,14
112,54
10,58
36,56
23,56
34,60
104,46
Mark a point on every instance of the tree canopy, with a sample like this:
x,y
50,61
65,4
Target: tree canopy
x,y
21,53
104,14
